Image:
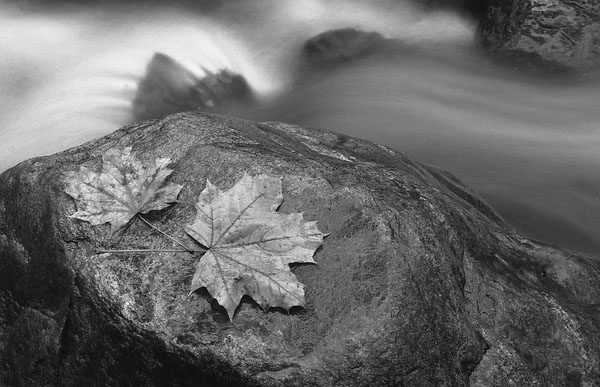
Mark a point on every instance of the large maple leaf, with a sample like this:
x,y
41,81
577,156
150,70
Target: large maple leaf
x,y
250,245
122,188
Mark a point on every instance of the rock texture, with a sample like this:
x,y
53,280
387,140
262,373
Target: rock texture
x,y
557,34
168,87
418,284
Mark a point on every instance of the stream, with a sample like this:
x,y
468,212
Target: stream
x,y
529,145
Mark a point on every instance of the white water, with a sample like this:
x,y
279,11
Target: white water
x,y
530,147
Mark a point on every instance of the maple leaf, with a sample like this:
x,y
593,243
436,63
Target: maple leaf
x,y
123,188
250,245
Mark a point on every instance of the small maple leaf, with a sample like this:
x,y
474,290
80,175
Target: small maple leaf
x,y
123,188
250,245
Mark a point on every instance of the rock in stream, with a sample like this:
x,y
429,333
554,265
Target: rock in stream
x,y
168,87
419,282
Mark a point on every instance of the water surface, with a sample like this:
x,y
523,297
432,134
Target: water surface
x,y
528,145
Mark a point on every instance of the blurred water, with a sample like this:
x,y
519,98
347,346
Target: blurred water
x,y
70,76
529,146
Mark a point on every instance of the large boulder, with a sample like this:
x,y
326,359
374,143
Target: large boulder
x,y
554,34
168,87
419,282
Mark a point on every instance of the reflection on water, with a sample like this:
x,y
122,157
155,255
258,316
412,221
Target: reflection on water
x,y
529,146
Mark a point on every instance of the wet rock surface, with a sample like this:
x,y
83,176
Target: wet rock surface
x,y
419,282
168,87
555,35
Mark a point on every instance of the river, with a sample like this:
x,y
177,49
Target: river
x,y
529,145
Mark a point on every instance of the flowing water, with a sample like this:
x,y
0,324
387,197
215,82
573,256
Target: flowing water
x,y
529,146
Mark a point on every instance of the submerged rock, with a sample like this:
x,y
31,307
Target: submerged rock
x,y
336,46
419,282
555,34
169,87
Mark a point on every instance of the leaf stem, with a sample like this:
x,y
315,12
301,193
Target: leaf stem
x,y
148,251
165,234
